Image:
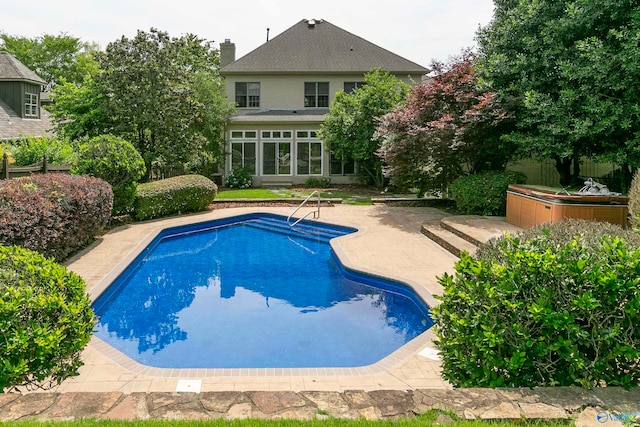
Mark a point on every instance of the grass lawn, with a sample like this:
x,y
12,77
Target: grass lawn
x,y
349,195
428,419
249,193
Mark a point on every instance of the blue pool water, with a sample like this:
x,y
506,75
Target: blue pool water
x,y
251,292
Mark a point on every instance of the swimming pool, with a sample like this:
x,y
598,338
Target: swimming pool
x,y
250,291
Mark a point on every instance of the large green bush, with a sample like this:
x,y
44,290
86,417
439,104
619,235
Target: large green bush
x,y
45,320
186,193
557,306
116,161
55,214
484,193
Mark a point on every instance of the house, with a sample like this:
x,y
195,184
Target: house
x,y
21,97
282,91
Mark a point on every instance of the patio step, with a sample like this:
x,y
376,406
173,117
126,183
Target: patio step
x,y
452,242
300,230
467,232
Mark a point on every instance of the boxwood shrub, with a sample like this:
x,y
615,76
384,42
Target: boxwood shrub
x,y
555,306
54,214
185,193
484,193
46,320
116,161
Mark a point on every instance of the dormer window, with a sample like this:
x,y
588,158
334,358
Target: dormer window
x,y
30,105
248,94
316,94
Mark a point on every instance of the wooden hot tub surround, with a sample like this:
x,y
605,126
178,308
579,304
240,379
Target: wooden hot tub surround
x,y
529,206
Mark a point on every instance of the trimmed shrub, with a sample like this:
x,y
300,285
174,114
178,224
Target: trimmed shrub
x,y
46,320
634,201
559,234
485,193
116,161
316,182
552,307
54,214
186,193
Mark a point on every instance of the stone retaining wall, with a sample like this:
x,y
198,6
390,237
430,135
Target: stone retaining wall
x,y
587,407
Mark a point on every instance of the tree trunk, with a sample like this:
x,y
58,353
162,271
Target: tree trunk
x,y
563,166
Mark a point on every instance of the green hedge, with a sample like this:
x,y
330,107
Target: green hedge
x,y
116,161
45,320
186,193
556,306
485,193
55,214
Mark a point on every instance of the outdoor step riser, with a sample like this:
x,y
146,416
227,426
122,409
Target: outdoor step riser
x,y
460,234
290,232
301,227
449,241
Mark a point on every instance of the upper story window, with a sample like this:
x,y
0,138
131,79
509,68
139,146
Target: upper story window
x,y
31,105
248,94
316,94
351,86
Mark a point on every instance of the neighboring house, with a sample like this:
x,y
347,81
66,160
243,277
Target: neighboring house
x,y
21,112
284,88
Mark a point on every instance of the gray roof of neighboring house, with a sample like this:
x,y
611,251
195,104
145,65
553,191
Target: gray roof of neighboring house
x,y
13,70
13,127
317,46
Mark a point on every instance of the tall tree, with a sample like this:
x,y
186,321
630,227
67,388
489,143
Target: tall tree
x,y
448,127
52,57
163,94
573,66
349,128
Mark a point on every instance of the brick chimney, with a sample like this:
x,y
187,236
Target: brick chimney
x,y
227,53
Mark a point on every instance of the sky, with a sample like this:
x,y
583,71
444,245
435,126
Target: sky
x,y
421,31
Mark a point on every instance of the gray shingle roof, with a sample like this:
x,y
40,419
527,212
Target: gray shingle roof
x,y
13,127
13,70
317,46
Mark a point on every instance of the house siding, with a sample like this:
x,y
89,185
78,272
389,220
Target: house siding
x,y
287,91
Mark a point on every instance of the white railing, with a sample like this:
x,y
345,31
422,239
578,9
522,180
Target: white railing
x,y
315,212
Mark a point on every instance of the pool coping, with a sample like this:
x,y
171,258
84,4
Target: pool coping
x,y
383,365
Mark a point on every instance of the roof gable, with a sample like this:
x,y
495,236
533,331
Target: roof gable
x,y
317,46
13,70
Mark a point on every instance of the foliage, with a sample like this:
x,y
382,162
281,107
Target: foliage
x,y
348,130
117,162
634,201
180,194
45,318
54,214
559,234
79,110
31,150
484,193
555,308
53,58
573,68
175,114
239,178
448,124
316,182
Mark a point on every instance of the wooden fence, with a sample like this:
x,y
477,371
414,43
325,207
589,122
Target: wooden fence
x,y
8,171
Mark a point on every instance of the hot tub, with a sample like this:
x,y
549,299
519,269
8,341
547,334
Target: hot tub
x,y
529,206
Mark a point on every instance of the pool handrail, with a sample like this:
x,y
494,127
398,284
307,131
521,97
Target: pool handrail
x,y
315,212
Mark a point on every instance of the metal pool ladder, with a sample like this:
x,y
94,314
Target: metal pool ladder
x,y
315,212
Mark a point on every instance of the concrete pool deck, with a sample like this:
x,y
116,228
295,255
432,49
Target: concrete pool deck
x,y
388,243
